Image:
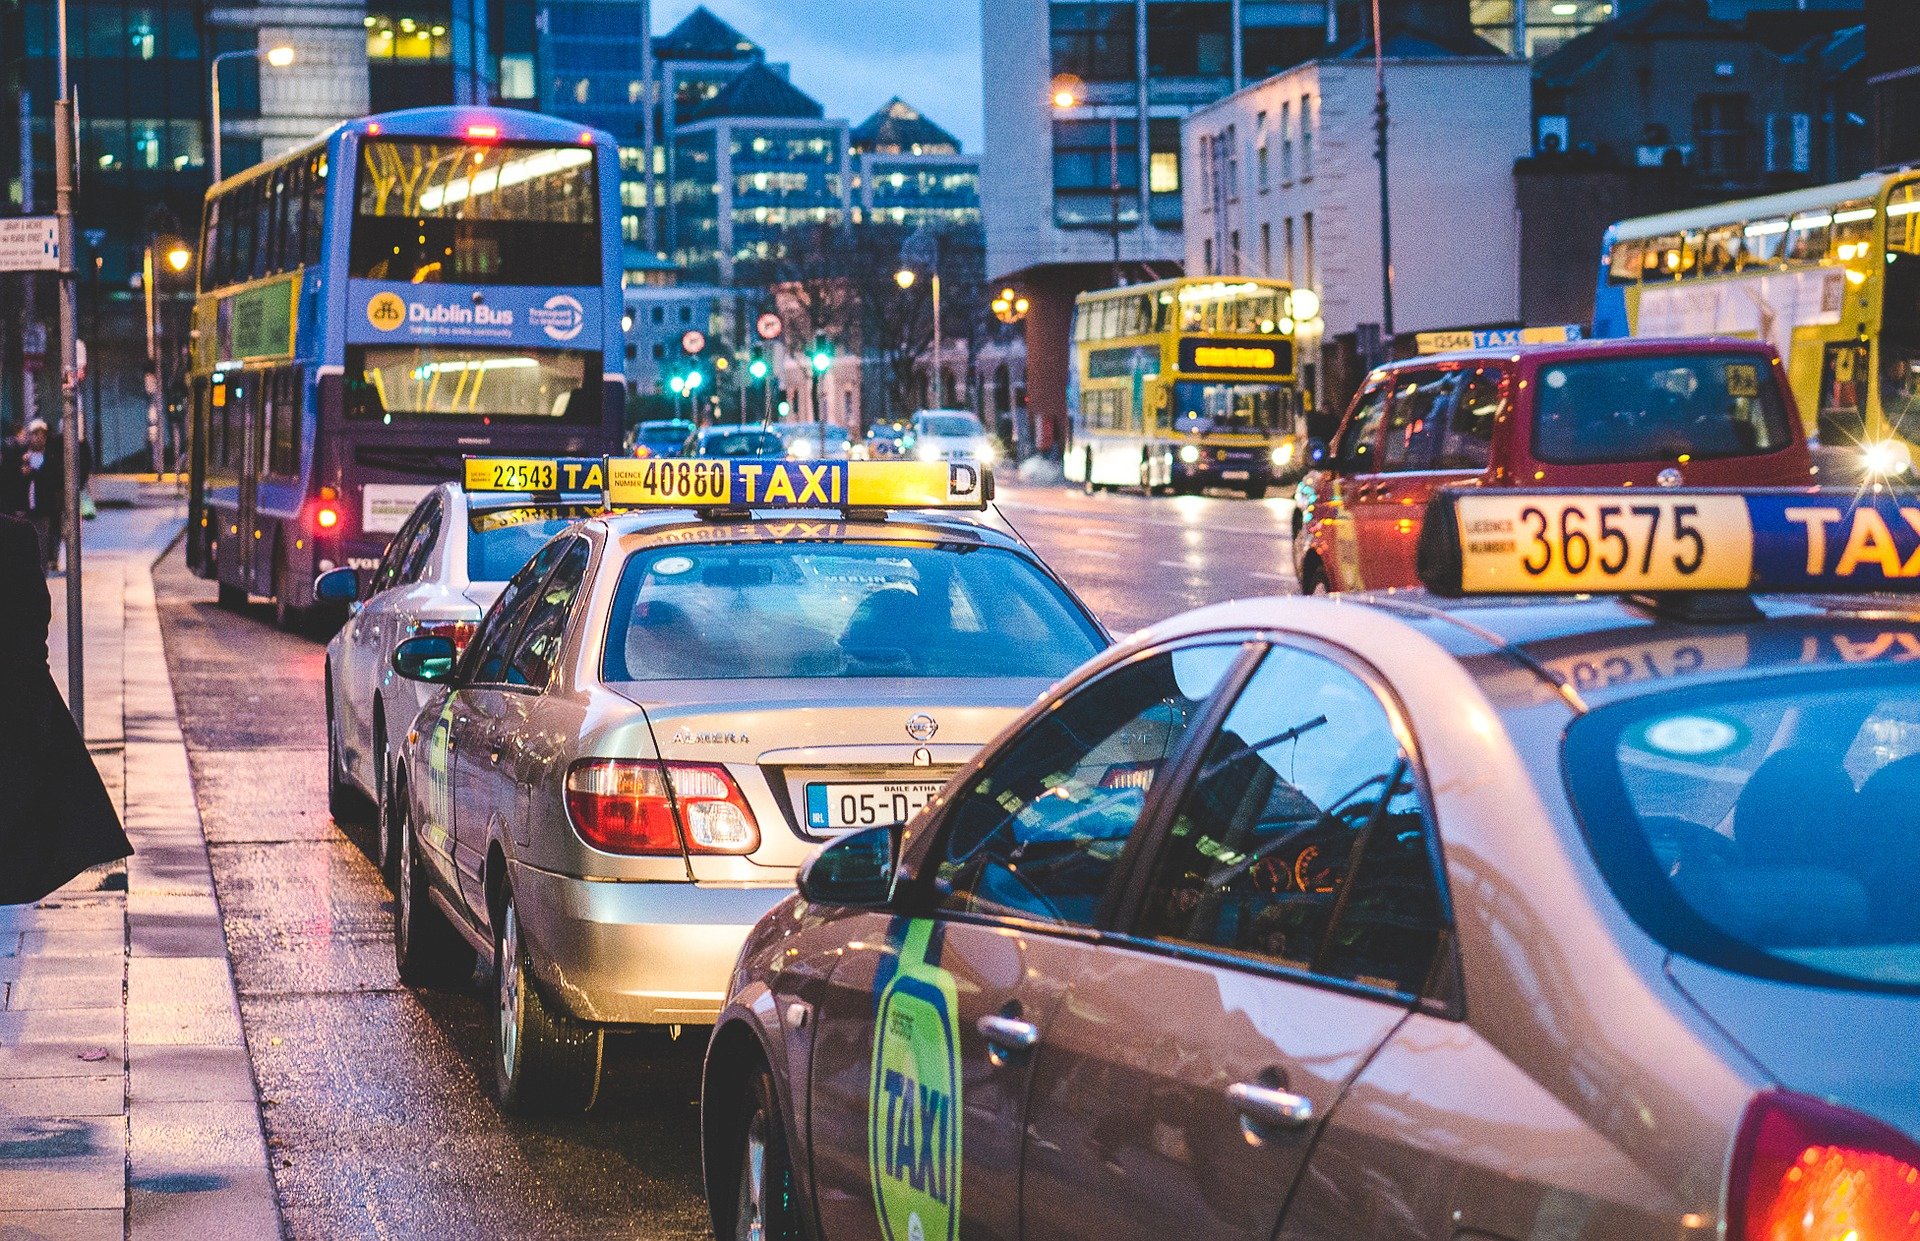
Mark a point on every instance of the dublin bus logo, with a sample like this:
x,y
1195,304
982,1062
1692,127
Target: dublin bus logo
x,y
386,311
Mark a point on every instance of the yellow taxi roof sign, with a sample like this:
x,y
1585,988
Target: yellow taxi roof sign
x,y
729,483
583,475
1668,541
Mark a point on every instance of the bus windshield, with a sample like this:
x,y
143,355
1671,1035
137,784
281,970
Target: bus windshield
x,y
1200,407
385,381
438,211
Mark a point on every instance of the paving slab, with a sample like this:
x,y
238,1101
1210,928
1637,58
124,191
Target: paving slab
x,y
100,1225
63,1096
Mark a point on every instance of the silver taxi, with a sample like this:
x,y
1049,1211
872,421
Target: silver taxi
x,y
1497,916
668,708
444,566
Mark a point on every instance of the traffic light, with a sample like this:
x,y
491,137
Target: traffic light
x,y
694,380
821,355
757,367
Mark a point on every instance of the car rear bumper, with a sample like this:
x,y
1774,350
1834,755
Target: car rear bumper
x,y
636,953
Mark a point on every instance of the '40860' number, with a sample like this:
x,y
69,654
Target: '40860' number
x,y
689,480
1616,539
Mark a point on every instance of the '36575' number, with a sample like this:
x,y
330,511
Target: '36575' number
x,y
1615,539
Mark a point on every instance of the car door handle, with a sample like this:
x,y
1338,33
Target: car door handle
x,y
1269,1108
1005,1035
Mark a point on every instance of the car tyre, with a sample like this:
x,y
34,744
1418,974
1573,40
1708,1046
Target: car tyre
x,y
544,1061
386,811
346,804
764,1206
1313,579
427,950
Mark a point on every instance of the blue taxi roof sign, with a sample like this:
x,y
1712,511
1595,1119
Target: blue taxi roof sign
x,y
740,483
1669,541
1494,338
536,475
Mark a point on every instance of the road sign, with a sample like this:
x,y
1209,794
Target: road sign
x,y
29,243
693,340
768,325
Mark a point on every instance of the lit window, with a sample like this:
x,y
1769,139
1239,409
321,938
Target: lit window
x,y
516,77
1163,172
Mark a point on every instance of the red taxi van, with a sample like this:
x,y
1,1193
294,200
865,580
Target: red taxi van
x,y
1609,413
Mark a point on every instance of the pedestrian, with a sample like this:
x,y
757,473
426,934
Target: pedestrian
x,y
13,474
56,819
45,469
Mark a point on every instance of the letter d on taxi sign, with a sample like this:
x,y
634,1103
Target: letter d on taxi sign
x,y
963,480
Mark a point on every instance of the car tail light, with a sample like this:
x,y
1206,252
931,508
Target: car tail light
x,y
1804,1170
457,632
628,806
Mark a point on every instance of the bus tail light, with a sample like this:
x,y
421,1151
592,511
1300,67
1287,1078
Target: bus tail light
x,y
326,516
483,133
622,805
1804,1170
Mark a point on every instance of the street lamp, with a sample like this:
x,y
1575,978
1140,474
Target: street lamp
x,y
177,257
1066,97
905,278
279,57
1010,307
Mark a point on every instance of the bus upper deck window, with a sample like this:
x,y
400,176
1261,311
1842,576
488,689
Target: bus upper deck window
x,y
1623,261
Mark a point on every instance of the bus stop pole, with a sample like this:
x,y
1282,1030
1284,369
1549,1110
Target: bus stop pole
x,y
63,136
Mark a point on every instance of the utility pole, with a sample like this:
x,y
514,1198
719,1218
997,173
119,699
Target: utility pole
x,y
1113,201
29,310
1386,215
63,136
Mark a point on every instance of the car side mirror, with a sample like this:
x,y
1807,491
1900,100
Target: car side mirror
x,y
1316,452
338,586
856,870
426,658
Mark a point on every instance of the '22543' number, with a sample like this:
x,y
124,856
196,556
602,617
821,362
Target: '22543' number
x,y
1608,541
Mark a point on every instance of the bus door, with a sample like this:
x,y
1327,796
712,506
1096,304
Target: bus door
x,y
244,397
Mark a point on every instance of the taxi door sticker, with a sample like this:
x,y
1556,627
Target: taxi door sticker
x,y
913,1102
439,744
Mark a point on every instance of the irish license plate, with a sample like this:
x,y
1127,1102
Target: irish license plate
x,y
844,807
1234,476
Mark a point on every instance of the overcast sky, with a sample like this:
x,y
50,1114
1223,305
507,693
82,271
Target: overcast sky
x,y
854,55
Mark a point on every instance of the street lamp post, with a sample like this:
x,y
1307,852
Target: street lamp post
x,y
177,257
279,57
904,278
63,173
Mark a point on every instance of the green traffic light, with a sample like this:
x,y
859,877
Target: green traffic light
x,y
694,380
822,360
757,368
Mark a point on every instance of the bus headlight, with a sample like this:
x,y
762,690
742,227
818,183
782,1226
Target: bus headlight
x,y
1189,453
1887,458
1282,454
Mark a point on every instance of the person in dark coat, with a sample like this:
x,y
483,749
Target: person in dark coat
x,y
56,819
46,462
13,474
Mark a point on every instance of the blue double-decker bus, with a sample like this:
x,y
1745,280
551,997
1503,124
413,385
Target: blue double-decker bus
x,y
406,290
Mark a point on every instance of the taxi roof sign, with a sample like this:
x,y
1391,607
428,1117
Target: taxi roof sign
x,y
1494,338
538,475
728,483
1669,541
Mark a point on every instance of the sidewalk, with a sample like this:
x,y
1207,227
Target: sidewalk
x,y
127,1105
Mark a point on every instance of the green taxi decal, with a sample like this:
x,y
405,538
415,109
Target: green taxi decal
x,y
913,1101
439,745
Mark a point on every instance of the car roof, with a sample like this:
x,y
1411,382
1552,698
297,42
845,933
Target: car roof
x,y
1597,650
1579,350
680,526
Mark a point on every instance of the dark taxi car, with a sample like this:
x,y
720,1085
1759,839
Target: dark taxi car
x,y
1492,918
1635,413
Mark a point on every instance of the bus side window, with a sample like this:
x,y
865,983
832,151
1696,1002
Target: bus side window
x,y
291,212
316,202
1355,454
1623,261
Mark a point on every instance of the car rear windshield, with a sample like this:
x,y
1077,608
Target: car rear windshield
x,y
501,540
742,444
1655,408
1768,826
950,426
810,610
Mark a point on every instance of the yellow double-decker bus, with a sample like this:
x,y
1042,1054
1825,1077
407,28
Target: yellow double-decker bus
x,y
1184,384
1830,275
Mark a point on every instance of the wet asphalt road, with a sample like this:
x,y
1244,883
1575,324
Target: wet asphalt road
x,y
375,1096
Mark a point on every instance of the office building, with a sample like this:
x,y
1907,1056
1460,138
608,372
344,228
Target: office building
x,y
1283,182
909,171
658,318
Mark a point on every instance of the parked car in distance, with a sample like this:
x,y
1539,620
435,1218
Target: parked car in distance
x,y
1633,413
737,442
807,441
666,437
950,435
886,440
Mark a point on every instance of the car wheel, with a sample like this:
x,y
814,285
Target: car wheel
x,y
426,948
544,1061
1313,579
386,813
346,804
1255,490
763,1207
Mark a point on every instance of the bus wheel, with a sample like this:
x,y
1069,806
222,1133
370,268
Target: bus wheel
x,y
232,598
1086,479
